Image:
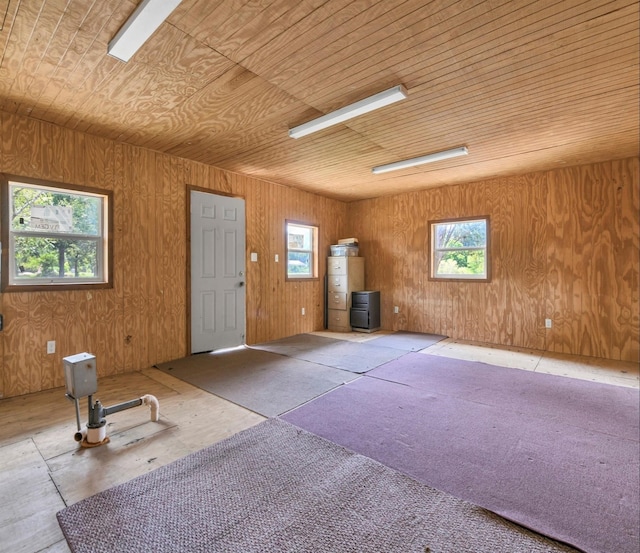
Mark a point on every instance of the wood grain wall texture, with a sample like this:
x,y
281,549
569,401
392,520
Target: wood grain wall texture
x,y
142,320
564,247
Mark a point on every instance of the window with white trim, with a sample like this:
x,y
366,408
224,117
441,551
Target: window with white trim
x,y
55,235
460,249
302,250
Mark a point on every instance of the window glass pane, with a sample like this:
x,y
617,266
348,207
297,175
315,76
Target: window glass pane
x,y
49,258
299,264
300,238
56,235
461,235
460,262
459,249
301,250
50,211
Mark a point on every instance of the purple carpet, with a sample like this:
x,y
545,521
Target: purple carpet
x,y
557,455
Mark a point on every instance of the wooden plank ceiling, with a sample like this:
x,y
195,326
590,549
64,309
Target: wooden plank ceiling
x,y
524,85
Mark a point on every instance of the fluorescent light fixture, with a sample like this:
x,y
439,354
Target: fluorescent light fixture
x,y
438,156
142,23
371,103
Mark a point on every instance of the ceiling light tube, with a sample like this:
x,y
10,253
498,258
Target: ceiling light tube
x,y
371,103
438,156
142,23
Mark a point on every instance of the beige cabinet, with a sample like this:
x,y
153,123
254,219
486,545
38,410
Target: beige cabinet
x,y
345,275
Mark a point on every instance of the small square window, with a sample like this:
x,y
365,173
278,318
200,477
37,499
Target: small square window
x,y
55,235
460,249
302,250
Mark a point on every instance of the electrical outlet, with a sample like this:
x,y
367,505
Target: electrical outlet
x,y
303,311
51,346
277,258
396,309
548,323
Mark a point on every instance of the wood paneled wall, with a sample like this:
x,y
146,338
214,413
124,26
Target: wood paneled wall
x,y
143,319
564,247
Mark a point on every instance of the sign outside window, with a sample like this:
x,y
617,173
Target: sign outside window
x,y
51,218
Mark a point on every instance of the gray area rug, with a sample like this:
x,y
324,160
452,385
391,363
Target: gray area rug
x,y
408,341
357,357
265,382
292,346
276,488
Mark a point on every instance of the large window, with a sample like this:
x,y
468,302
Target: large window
x,y
460,249
53,235
302,250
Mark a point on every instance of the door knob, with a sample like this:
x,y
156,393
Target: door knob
x,y
241,284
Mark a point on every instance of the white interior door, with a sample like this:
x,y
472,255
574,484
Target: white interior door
x,y
217,272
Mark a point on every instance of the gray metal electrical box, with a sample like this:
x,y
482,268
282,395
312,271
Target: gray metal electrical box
x,y
80,374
